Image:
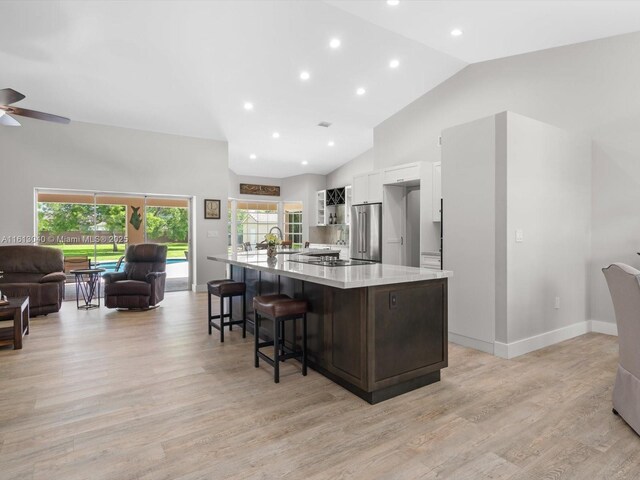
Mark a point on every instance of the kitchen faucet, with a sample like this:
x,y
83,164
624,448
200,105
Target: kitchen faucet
x,y
279,232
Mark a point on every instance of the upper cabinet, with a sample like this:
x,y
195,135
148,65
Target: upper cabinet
x,y
321,207
402,174
333,206
437,191
367,188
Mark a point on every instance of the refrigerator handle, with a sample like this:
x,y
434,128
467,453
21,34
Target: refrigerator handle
x,y
364,232
359,231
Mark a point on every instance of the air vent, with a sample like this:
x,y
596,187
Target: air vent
x,y
324,124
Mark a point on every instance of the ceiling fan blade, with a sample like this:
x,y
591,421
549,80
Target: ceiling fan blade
x,y
8,121
39,115
9,96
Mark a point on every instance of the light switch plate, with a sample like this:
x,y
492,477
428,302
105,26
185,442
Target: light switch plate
x,y
212,234
519,235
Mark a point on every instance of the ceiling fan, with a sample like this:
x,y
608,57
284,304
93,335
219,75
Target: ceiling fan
x,y
8,97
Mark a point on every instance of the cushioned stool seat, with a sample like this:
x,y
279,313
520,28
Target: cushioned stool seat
x,y
279,308
227,288
280,305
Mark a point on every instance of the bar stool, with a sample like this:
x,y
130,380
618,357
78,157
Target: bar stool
x,y
279,308
227,289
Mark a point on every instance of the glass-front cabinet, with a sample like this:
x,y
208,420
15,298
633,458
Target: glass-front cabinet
x,y
321,208
347,204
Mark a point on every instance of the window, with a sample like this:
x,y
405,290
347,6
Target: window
x,y
253,220
293,223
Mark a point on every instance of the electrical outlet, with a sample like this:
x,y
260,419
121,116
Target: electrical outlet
x,y
519,235
393,300
212,234
557,304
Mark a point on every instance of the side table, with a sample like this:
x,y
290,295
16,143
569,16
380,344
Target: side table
x,y
87,282
19,308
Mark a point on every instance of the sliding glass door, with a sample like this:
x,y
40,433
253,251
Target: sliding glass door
x,y
94,229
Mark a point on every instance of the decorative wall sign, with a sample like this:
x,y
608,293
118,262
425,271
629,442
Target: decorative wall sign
x,y
211,209
136,218
250,189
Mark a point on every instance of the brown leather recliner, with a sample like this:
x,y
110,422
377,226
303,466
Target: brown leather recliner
x,y
34,271
141,285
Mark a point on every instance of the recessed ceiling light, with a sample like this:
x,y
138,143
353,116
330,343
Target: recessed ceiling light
x,y
248,106
335,43
456,32
393,3
304,75
395,63
360,91
253,156
304,162
275,135
331,143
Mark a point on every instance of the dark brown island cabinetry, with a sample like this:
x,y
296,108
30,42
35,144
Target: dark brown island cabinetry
x,y
377,341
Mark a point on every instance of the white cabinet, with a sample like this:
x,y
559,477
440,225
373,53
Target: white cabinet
x,y
431,260
360,189
367,188
321,207
437,191
375,187
402,174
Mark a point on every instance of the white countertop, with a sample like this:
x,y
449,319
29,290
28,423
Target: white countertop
x,y
355,276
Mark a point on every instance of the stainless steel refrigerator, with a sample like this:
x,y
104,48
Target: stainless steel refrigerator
x,y
366,232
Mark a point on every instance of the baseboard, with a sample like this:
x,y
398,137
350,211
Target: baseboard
x,y
526,345
481,345
607,328
199,288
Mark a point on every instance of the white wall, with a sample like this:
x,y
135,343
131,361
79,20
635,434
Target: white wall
x,y
615,228
95,157
589,88
469,250
549,199
506,173
343,176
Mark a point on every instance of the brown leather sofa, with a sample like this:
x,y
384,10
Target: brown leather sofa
x,y
34,271
141,285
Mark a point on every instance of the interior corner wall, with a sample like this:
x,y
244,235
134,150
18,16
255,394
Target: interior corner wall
x,y
84,156
343,175
469,250
589,88
615,231
549,199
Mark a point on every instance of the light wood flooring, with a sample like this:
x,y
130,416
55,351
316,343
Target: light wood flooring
x,y
112,395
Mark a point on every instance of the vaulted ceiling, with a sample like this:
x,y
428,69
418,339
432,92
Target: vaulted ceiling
x,y
189,67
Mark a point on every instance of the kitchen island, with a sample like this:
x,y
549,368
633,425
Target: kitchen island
x,y
378,330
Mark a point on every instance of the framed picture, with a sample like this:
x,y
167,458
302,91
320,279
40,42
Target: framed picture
x,y
212,209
